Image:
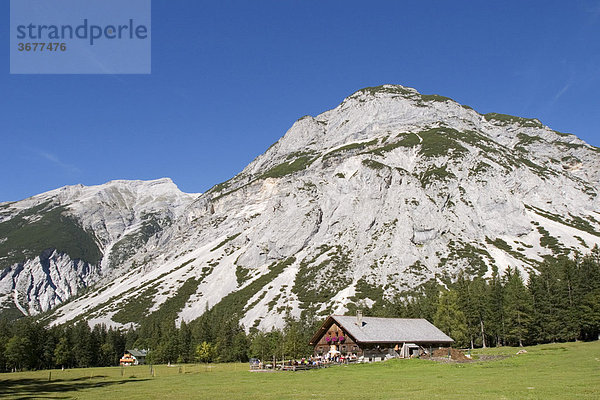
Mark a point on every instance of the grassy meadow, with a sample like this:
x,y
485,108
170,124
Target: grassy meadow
x,y
552,371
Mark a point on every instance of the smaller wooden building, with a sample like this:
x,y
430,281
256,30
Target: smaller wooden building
x,y
133,357
373,338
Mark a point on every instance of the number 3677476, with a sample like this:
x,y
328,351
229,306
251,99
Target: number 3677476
x,y
42,47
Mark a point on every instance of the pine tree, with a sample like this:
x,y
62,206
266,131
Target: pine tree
x,y
292,339
465,304
185,343
590,310
450,319
48,352
117,342
570,315
260,346
239,348
517,307
131,339
82,345
169,343
479,292
587,289
472,301
495,308
275,341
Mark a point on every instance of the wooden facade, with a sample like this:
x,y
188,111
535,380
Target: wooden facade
x,y
133,357
330,342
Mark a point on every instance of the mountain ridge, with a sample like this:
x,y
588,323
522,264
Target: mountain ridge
x,y
382,193
41,231
414,99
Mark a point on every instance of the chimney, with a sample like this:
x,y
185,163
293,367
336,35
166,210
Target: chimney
x,y
359,318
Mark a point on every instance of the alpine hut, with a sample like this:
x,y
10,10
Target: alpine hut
x,y
376,338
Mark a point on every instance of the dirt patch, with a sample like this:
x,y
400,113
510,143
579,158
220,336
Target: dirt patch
x,y
455,354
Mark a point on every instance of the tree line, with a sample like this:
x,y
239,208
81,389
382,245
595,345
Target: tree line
x,y
26,344
561,302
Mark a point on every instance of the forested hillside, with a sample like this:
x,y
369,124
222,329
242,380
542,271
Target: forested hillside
x,y
561,303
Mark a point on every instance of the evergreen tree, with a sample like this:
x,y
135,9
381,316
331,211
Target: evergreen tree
x,y
472,301
202,328
517,307
230,340
260,346
48,351
4,337
186,353
495,308
3,361
569,314
62,353
131,339
590,310
239,349
276,347
587,289
479,292
292,338
106,355
116,342
427,304
450,319
16,352
82,345
35,337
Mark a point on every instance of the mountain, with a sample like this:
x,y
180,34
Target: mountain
x,y
386,191
55,244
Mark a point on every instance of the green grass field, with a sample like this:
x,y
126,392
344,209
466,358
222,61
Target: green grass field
x,y
554,371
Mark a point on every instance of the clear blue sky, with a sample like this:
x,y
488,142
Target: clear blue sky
x,y
230,77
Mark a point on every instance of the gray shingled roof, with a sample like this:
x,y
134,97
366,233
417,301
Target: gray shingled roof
x,y
392,330
138,353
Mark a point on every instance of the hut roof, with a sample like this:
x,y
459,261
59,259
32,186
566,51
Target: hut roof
x,y
137,353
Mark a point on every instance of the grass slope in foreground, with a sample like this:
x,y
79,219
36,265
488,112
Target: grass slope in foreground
x,y
554,371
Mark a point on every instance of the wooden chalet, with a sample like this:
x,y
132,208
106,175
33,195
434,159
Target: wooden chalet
x,y
133,357
374,338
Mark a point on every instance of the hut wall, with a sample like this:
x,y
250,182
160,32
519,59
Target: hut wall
x,y
348,346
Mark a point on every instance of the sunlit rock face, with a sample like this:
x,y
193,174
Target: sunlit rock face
x,y
387,191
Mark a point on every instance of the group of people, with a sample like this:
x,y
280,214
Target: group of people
x,y
316,361
337,358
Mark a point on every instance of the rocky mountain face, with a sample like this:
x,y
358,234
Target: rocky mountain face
x,y
387,191
55,244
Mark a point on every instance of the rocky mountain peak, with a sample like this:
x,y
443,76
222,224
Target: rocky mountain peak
x,y
375,197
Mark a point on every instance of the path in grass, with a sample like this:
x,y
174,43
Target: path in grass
x,y
560,371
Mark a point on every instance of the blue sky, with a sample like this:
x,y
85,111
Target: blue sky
x,y
230,77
